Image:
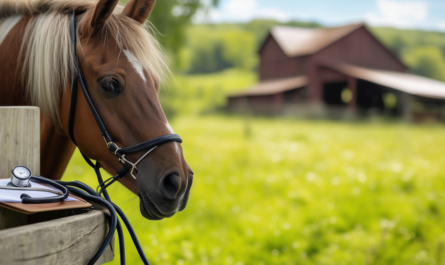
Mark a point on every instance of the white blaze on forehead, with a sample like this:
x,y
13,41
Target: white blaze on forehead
x,y
136,64
6,25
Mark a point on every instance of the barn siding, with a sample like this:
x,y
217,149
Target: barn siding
x,y
328,75
283,68
271,51
275,64
294,96
270,104
362,49
315,91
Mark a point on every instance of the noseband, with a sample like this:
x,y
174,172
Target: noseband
x,y
119,152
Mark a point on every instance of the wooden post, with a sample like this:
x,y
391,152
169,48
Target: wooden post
x,y
59,237
316,107
19,139
278,104
406,105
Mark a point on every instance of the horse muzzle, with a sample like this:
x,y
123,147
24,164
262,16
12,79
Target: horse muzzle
x,y
163,206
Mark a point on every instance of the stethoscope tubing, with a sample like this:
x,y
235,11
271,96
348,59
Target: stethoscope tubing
x,y
61,195
84,191
112,220
30,189
59,198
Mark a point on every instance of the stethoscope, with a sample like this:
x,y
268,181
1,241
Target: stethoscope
x,y
21,180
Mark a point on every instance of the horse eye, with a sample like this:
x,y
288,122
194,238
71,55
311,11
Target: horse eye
x,y
110,86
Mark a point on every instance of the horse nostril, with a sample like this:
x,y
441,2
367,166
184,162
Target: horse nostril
x,y
169,186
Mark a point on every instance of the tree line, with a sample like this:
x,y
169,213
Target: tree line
x,y
209,48
422,51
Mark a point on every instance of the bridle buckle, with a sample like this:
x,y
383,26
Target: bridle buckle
x,y
113,147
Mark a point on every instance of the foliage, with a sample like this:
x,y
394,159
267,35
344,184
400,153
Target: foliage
x,y
212,48
422,51
298,192
427,61
171,17
400,41
198,94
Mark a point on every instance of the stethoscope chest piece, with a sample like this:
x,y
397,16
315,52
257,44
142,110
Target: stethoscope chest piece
x,y
21,176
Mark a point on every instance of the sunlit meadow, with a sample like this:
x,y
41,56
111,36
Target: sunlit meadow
x,y
286,191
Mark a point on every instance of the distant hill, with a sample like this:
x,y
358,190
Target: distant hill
x,y
215,47
422,51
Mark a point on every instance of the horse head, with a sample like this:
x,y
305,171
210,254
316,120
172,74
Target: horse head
x,y
123,67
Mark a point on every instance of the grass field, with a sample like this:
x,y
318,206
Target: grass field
x,y
288,191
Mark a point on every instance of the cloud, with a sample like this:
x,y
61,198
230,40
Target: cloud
x,y
441,25
242,11
273,13
400,14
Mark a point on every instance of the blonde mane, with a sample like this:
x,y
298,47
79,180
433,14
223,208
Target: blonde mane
x,y
47,48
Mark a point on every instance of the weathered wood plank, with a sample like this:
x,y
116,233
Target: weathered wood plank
x,y
19,139
69,240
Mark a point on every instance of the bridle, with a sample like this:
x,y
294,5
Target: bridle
x,y
119,152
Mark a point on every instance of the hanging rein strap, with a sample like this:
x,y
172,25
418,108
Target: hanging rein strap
x,y
112,146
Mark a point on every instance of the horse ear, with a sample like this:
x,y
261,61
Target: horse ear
x,y
102,12
139,10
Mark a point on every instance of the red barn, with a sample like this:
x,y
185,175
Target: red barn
x,y
336,72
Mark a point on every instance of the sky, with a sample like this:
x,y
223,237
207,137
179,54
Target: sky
x,y
406,14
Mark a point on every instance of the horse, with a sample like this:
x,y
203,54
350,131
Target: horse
x,y
123,66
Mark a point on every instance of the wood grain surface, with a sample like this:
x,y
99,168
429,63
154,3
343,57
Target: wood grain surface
x,y
70,240
19,139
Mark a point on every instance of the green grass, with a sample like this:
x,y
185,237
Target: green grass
x,y
287,191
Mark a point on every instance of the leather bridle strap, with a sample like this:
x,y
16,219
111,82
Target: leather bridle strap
x,y
112,147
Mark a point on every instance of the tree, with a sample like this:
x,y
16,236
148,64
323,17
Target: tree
x,y
212,48
239,48
171,17
427,61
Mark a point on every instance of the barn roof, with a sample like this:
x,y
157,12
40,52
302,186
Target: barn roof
x,y
303,41
276,86
408,83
